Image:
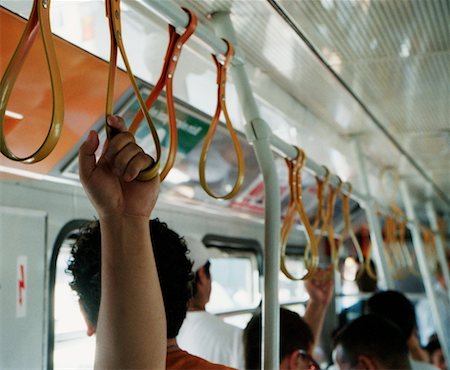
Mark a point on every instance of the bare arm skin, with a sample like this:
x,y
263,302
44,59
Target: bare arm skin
x,y
320,289
131,329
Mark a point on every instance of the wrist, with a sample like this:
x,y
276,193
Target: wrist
x,y
316,304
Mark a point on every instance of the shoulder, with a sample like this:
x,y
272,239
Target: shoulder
x,y
183,360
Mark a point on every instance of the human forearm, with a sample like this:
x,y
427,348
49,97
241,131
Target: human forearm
x,y
315,315
131,309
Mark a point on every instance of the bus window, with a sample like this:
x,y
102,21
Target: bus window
x,y
235,283
72,348
290,291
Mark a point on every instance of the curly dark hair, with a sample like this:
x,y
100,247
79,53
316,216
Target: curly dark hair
x,y
295,334
174,271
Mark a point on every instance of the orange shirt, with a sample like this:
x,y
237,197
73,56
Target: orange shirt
x,y
181,360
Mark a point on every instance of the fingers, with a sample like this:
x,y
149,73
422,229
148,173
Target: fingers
x,y
86,157
125,157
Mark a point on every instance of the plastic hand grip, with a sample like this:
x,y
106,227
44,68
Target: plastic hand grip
x,y
39,20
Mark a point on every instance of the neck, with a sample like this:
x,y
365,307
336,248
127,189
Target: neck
x,y
196,305
172,345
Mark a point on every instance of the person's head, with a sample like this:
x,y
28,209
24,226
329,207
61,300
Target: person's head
x,y
370,342
435,352
395,307
202,284
174,272
296,342
366,283
201,287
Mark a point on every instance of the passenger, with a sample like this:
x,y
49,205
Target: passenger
x,y
425,321
394,306
131,322
130,318
366,284
298,336
435,352
296,342
202,333
370,342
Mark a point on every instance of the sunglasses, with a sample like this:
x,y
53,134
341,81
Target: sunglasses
x,y
312,364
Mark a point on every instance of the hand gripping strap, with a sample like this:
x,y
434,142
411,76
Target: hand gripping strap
x,y
113,14
221,107
166,80
296,206
39,19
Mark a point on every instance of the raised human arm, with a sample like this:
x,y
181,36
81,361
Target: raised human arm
x,y
320,289
131,328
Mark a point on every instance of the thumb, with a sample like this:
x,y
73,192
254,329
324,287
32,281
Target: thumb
x,y
86,156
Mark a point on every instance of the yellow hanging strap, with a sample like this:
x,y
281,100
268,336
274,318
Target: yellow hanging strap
x,y
388,240
322,215
296,206
348,230
332,195
222,107
115,29
39,20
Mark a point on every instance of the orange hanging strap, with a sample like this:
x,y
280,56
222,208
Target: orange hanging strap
x,y
322,215
39,20
296,206
221,107
176,42
332,194
348,230
113,15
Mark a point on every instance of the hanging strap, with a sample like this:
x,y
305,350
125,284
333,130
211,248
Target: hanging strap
x,y
115,29
332,195
39,20
222,107
348,230
296,207
322,215
176,42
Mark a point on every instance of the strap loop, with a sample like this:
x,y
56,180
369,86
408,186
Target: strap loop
x,y
332,194
166,80
296,206
113,15
221,107
39,19
348,231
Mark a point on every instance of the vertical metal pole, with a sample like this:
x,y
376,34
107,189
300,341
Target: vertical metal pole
x,y
442,256
423,267
259,134
376,237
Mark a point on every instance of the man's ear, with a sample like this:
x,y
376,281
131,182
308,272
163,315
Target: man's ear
x,y
292,360
90,327
202,276
365,362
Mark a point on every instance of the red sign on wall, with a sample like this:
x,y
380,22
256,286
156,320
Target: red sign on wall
x,y
21,287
